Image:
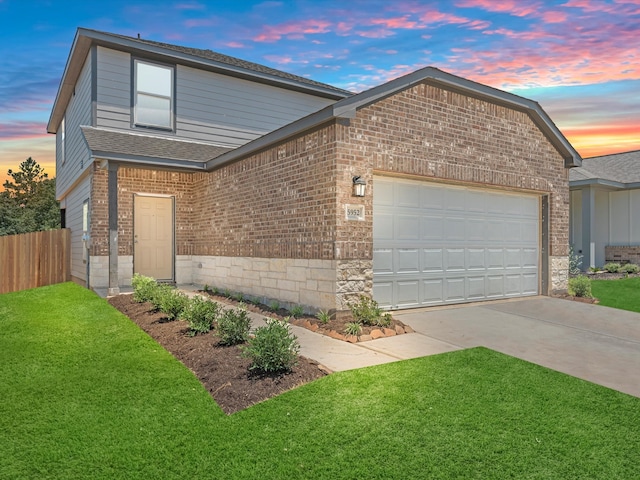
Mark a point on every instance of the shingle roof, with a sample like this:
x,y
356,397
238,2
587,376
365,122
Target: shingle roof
x,y
137,147
231,61
617,167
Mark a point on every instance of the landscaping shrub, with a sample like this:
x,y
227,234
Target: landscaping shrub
x,y
353,328
629,268
157,294
172,303
273,348
367,312
143,287
580,286
323,316
575,261
201,315
612,267
233,326
297,311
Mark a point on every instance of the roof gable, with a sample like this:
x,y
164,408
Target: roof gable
x,y
193,57
346,108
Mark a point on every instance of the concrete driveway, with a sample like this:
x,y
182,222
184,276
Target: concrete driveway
x,y
591,342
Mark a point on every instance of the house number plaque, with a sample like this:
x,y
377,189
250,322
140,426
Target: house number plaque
x,y
354,212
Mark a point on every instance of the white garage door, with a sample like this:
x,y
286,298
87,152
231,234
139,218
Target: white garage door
x,y
436,244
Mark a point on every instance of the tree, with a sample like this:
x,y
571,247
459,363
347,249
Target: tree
x,y
28,202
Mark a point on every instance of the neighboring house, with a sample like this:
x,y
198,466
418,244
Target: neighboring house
x,y
605,209
195,167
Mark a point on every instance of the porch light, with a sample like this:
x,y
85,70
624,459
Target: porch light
x,y
359,186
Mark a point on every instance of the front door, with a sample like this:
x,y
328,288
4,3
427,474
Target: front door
x,y
153,237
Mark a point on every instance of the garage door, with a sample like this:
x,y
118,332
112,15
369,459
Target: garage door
x,y
437,244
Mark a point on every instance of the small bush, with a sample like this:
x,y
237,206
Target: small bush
x,y
273,348
612,267
575,261
580,286
367,312
629,268
239,297
201,315
143,287
353,328
323,316
172,303
233,326
274,306
157,294
297,311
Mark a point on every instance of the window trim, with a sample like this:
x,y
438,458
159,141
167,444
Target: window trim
x,y
62,129
134,96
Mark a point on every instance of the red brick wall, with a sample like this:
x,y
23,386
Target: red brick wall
x,y
432,132
99,211
279,203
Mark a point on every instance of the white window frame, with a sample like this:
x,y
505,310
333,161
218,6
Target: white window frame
x,y
63,155
170,97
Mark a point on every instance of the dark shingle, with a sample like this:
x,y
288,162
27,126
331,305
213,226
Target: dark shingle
x,y
233,62
124,144
617,167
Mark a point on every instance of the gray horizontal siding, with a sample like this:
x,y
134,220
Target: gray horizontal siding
x,y
76,153
114,89
210,107
233,110
75,200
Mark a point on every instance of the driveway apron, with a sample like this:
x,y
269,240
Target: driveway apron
x,y
595,343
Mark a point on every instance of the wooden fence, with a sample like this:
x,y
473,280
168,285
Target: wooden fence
x,y
34,259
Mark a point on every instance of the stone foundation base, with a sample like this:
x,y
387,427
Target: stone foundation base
x,y
559,274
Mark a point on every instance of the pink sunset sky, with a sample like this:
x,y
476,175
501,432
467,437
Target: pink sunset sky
x,y
579,59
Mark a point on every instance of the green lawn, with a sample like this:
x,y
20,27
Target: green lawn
x,y
623,294
84,393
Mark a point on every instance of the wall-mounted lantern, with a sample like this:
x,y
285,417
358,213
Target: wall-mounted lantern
x,y
359,186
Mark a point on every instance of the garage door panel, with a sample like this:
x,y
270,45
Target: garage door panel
x,y
476,288
383,226
383,192
408,260
432,260
407,227
530,283
452,244
454,229
476,259
408,196
383,293
432,228
495,286
408,293
432,291
454,289
495,258
454,259
382,261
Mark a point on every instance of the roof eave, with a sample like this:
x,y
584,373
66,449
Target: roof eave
x,y
347,107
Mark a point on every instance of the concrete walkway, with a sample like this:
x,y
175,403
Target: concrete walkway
x,y
595,343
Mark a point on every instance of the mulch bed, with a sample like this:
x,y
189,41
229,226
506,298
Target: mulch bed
x,y
334,328
222,370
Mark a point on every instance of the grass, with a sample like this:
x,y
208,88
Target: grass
x,y
623,293
86,394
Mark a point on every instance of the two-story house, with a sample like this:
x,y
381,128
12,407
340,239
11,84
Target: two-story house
x,y
195,167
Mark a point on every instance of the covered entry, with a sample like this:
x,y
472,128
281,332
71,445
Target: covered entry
x,y
153,251
437,244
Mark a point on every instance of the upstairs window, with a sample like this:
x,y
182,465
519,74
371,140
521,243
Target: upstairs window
x,y
153,97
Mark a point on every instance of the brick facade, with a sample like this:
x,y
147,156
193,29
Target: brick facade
x,y
287,201
622,254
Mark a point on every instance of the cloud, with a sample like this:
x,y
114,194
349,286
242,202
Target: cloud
x,y
296,29
234,44
18,130
519,8
202,22
190,6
